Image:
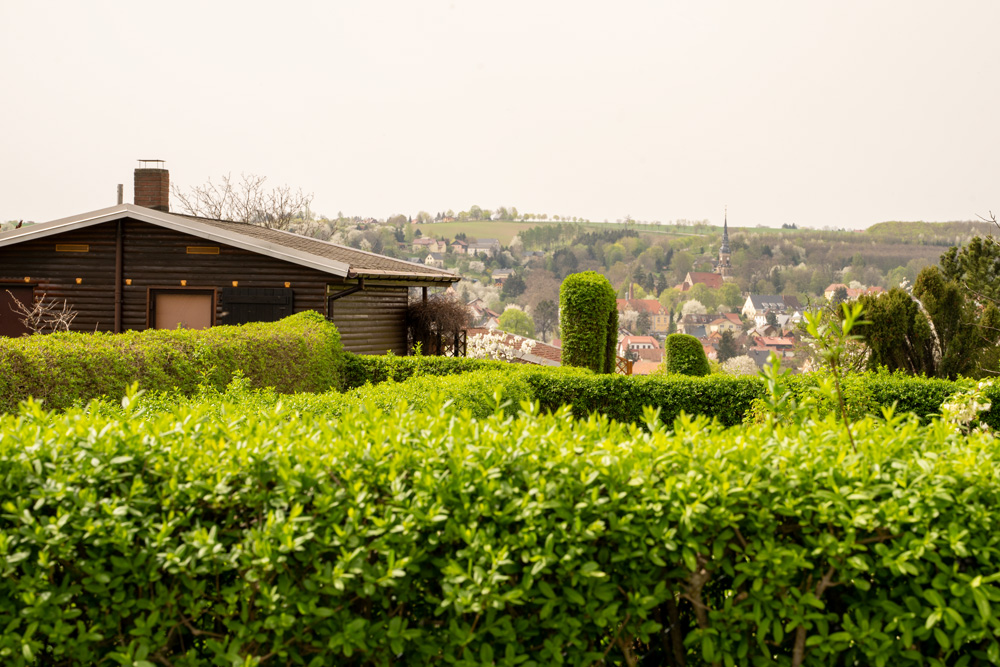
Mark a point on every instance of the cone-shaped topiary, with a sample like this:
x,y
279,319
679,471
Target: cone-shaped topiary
x,y
684,354
588,316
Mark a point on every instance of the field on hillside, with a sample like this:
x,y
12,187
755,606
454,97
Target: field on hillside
x,y
505,230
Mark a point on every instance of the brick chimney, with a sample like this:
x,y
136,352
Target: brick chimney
x,y
152,185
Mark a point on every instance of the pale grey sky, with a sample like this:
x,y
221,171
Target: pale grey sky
x,y
840,113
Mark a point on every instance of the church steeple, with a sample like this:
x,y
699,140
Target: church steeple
x,y
725,233
723,266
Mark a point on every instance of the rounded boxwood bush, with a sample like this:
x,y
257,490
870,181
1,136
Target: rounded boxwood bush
x,y
588,316
684,354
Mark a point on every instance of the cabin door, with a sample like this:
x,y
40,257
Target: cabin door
x,y
185,309
10,318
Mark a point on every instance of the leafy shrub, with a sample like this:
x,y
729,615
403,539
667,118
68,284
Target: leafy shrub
x,y
588,316
299,353
416,538
685,355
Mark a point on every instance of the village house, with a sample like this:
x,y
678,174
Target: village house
x,y
760,303
724,324
712,280
659,319
783,320
487,247
500,276
696,324
430,245
852,292
138,266
645,348
435,259
779,344
482,316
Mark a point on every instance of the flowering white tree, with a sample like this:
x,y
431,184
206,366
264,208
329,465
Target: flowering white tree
x,y
470,291
741,365
693,307
628,318
963,407
497,345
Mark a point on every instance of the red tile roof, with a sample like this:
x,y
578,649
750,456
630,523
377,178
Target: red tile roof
x,y
776,341
640,340
643,367
651,306
713,280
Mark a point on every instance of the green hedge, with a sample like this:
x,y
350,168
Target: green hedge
x,y
684,354
731,400
261,537
623,398
360,369
299,353
868,393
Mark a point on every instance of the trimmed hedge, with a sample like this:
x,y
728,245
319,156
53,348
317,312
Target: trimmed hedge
x,y
623,398
731,400
588,318
431,538
685,355
299,353
361,369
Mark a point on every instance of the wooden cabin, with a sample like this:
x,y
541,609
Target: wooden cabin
x,y
137,267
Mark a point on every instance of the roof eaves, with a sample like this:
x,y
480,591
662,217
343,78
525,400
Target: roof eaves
x,y
44,229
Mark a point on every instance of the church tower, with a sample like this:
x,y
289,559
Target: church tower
x,y
724,268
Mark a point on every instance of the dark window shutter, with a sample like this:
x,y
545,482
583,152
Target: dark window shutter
x,y
255,304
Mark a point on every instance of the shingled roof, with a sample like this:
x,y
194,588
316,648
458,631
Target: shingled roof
x,y
324,256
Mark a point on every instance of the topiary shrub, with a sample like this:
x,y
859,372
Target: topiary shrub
x,y
684,354
589,319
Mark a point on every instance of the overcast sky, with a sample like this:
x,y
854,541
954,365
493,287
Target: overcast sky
x,y
841,113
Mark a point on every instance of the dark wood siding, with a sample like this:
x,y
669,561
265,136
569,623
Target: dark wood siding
x,y
373,320
158,257
54,273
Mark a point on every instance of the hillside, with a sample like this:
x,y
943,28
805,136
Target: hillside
x,y
505,230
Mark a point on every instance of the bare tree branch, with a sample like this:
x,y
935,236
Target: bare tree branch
x,y
245,200
44,315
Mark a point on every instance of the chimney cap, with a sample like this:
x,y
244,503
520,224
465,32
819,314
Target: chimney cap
x,y
145,164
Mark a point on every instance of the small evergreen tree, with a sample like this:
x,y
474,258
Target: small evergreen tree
x,y
728,347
